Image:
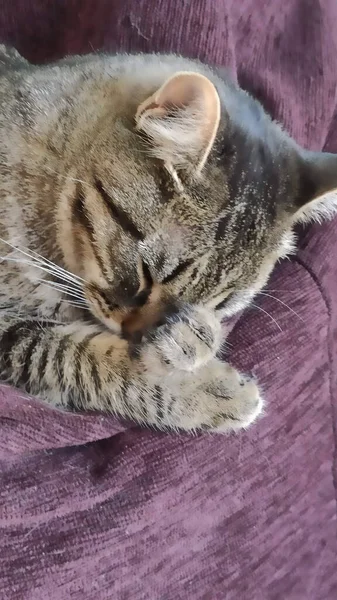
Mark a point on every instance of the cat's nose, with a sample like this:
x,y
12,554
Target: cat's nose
x,y
140,299
148,317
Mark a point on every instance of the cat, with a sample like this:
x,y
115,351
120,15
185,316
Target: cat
x,y
143,200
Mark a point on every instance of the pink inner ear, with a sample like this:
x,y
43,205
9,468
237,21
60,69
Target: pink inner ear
x,y
178,92
188,138
151,106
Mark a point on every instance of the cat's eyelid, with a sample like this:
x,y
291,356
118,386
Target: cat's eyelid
x,y
117,213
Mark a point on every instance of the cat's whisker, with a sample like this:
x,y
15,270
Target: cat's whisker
x,y
57,267
45,261
270,316
59,272
43,320
75,304
29,263
50,284
37,265
284,304
76,292
274,290
23,316
78,298
62,287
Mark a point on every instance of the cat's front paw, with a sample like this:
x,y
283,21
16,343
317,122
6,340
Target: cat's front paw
x,y
240,395
188,340
218,398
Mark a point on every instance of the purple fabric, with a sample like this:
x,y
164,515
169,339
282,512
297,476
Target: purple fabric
x,y
92,511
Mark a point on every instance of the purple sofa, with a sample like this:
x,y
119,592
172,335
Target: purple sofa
x,y
91,511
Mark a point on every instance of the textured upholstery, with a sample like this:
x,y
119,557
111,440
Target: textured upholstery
x,y
91,511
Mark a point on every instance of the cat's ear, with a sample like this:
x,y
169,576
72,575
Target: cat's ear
x,y
317,197
181,120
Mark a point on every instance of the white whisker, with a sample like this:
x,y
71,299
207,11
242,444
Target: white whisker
x,y
62,287
29,318
30,263
55,266
284,304
274,290
75,304
267,313
31,254
35,265
50,285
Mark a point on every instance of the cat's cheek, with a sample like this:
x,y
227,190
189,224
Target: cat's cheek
x,y
112,320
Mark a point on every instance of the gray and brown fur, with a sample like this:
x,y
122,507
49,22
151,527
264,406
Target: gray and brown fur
x,y
120,256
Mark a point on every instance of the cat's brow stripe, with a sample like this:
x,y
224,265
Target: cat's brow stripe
x,y
118,214
80,215
181,268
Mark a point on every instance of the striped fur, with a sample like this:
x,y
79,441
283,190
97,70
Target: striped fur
x,y
118,264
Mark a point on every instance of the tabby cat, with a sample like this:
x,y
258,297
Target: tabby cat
x,y
143,199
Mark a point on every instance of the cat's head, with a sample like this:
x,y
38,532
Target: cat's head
x,y
191,193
